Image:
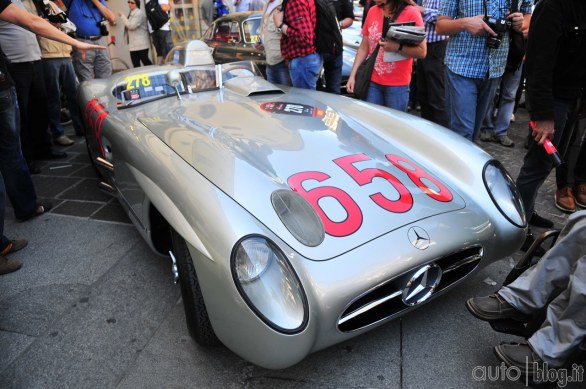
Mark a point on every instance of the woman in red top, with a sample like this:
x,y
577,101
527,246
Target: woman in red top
x,y
389,84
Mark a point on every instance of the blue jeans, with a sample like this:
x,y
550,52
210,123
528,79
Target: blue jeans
x,y
17,180
506,103
467,100
60,75
304,71
279,73
396,97
537,164
333,72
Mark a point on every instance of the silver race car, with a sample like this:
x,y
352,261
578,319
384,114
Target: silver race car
x,y
294,219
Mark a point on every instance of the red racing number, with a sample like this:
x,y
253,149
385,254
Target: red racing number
x,y
362,177
416,174
365,176
345,227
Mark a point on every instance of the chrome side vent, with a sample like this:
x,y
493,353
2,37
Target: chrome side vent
x,y
386,300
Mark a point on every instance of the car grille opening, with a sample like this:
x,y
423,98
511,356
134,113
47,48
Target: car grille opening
x,y
385,301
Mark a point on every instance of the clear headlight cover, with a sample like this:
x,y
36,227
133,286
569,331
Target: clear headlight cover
x,y
269,285
298,217
503,192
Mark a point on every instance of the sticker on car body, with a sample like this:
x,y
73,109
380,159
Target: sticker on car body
x,y
316,193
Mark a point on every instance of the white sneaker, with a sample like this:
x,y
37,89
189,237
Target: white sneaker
x,y
513,117
63,140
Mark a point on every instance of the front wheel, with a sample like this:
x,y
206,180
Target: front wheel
x,y
196,315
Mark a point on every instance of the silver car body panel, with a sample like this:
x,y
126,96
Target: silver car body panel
x,y
210,161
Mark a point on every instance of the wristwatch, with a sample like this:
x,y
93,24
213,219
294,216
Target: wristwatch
x,y
279,29
340,25
400,47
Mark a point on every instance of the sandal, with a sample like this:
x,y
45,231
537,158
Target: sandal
x,y
39,210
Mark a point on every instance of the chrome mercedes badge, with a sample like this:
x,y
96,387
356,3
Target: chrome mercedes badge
x,y
419,238
422,284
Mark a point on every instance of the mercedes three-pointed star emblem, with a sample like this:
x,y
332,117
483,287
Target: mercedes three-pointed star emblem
x,y
422,284
419,238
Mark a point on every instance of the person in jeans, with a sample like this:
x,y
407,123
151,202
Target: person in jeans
x,y
15,179
277,68
496,122
296,22
389,83
474,63
59,76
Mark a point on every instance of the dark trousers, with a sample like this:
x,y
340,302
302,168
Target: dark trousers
x,y
430,84
15,179
537,164
139,56
31,92
566,171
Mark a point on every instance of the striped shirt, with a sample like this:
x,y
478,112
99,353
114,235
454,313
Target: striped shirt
x,y
430,10
468,55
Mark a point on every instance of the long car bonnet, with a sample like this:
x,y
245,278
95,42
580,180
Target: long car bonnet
x,y
360,167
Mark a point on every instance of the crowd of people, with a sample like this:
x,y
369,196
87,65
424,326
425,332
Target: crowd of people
x,y
465,78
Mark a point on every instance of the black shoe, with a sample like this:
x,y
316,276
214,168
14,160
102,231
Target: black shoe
x,y
33,168
52,154
520,356
539,221
539,252
492,308
40,209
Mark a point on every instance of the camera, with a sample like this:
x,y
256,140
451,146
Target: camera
x,y
499,26
103,27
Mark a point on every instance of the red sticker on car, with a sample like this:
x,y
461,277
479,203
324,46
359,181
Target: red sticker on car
x,y
424,181
293,109
93,116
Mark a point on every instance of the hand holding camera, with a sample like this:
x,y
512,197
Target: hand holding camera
x,y
500,26
103,25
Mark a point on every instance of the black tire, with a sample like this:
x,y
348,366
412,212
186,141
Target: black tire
x,y
196,315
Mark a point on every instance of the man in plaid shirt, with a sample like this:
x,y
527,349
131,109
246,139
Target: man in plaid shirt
x,y
474,69
296,21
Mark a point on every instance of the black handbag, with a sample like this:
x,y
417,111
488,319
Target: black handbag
x,y
364,71
364,74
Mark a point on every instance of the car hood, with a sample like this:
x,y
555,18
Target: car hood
x,y
250,146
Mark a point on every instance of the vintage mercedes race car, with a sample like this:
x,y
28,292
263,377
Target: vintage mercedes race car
x,y
296,219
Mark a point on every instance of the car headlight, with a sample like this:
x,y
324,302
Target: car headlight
x,y
269,285
299,217
504,193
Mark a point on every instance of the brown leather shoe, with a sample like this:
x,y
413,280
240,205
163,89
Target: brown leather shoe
x,y
494,307
580,195
14,246
564,199
9,265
